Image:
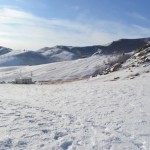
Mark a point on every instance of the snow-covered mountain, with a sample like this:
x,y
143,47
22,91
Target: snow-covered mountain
x,y
80,68
69,52
58,53
22,58
4,50
46,55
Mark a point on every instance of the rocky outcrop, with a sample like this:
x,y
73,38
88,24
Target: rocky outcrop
x,y
112,68
115,67
140,57
143,55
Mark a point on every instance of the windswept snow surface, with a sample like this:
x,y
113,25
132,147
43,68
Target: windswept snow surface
x,y
92,114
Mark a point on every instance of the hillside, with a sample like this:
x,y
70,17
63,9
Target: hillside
x,y
4,50
108,112
83,68
120,46
47,55
66,70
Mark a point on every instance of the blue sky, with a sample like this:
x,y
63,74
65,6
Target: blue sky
x,y
32,24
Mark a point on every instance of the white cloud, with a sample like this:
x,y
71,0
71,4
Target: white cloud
x,y
24,30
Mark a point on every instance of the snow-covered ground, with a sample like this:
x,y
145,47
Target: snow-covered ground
x,y
66,70
92,114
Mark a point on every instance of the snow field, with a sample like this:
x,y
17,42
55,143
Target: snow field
x,y
91,114
67,70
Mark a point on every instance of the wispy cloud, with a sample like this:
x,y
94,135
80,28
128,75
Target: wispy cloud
x,y
20,29
138,16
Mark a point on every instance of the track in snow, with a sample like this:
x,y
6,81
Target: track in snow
x,y
83,115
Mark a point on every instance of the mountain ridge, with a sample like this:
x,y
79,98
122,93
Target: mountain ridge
x,y
9,57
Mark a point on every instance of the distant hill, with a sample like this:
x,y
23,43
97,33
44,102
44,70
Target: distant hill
x,y
4,50
21,58
120,46
9,57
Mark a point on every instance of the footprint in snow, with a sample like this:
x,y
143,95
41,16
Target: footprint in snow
x,y
22,144
7,144
66,145
45,131
58,135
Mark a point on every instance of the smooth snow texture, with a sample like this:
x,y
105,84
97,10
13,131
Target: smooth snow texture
x,y
67,70
92,114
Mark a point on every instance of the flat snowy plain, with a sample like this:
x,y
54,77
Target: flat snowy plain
x,y
93,114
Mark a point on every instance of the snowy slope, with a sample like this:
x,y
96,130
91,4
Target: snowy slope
x,y
66,53
58,53
75,69
66,70
86,115
21,57
4,50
